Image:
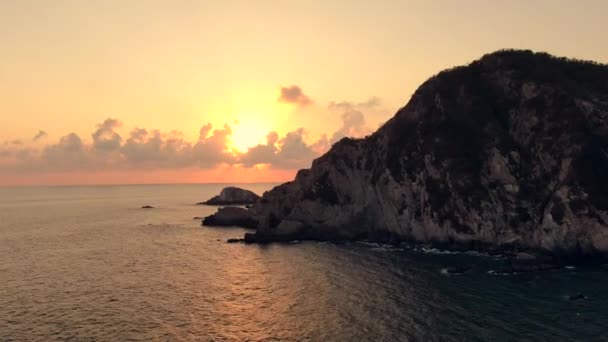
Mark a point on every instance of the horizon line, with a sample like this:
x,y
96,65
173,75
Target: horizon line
x,y
129,184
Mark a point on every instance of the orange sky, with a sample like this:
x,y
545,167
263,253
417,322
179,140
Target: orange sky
x,y
221,174
331,68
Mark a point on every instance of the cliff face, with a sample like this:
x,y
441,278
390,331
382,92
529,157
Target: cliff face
x,y
509,152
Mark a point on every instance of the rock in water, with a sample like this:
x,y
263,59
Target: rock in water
x,y
455,270
233,196
509,152
577,296
231,216
526,262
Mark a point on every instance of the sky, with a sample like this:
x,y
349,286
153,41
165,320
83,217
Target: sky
x,y
151,91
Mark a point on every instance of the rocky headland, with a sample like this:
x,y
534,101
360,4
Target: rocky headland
x,y
508,153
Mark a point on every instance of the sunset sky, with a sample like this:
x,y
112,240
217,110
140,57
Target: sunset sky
x,y
152,91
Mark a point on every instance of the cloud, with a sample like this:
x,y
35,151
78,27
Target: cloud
x,y
288,152
105,138
68,153
211,148
143,149
353,119
263,153
371,103
321,146
152,149
294,95
41,134
294,152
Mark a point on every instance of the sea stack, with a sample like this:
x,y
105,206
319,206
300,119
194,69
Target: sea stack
x,y
233,196
507,153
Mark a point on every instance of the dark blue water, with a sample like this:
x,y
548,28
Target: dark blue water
x,y
87,264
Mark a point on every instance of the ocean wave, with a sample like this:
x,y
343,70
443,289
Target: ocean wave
x,y
448,252
497,273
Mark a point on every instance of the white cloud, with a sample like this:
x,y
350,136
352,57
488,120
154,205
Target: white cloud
x,y
288,152
153,149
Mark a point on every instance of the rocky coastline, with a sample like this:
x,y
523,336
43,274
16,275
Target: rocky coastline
x,y
507,154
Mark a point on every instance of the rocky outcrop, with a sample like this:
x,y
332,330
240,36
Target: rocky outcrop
x,y
507,153
457,270
233,196
526,262
231,216
578,296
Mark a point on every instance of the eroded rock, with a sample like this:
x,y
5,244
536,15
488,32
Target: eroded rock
x,y
577,296
526,262
231,216
508,153
233,196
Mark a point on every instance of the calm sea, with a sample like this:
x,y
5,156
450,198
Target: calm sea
x,y
88,264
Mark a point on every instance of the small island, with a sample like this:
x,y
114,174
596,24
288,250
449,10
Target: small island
x,y
233,196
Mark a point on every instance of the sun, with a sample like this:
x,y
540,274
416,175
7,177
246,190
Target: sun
x,y
248,131
254,114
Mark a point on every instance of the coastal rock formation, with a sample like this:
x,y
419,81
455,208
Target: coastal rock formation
x,y
577,296
233,196
458,270
231,216
525,262
507,153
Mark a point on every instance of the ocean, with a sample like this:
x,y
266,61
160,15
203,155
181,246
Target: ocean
x,y
88,264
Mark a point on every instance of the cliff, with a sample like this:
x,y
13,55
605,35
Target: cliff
x,y
507,153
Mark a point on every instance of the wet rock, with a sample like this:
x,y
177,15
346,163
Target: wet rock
x,y
251,238
526,262
258,238
233,196
577,296
231,216
457,269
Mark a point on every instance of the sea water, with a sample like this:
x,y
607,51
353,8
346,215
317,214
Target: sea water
x,y
89,264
